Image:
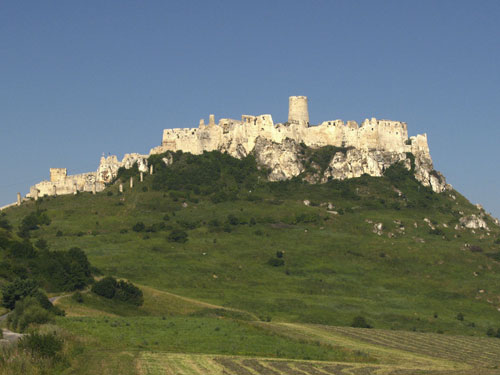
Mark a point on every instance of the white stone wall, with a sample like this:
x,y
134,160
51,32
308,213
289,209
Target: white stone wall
x,y
238,137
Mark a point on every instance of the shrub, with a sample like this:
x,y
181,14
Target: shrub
x,y
77,297
41,244
4,223
129,293
17,290
276,262
41,345
139,226
436,231
28,311
33,220
105,287
178,235
233,220
460,316
360,322
121,290
59,233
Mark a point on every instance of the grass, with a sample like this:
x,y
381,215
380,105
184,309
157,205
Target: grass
x,y
335,267
150,363
198,335
215,303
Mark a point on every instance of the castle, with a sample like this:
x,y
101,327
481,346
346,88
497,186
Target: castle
x,y
373,146
238,137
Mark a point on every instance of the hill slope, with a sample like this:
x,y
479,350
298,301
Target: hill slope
x,y
385,248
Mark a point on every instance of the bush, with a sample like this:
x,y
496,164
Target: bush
x,y
460,316
105,287
28,311
436,231
139,226
121,290
77,297
276,262
360,322
17,290
42,244
233,220
32,221
129,293
41,345
177,235
4,223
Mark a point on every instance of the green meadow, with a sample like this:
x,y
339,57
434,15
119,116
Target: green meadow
x,y
260,267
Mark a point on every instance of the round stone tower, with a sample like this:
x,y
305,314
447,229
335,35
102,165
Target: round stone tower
x,y
297,110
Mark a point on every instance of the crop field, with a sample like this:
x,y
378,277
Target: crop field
x,y
476,351
182,364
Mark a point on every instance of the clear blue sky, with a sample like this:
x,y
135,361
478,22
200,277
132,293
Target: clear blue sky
x,y
81,78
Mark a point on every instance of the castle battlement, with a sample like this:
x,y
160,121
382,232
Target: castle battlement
x,y
240,137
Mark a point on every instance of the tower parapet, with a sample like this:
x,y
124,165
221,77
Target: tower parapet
x,y
297,110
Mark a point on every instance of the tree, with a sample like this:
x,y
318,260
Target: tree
x,y
105,287
17,290
121,290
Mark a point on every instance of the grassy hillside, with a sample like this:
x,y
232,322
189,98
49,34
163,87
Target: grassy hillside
x,y
214,245
335,266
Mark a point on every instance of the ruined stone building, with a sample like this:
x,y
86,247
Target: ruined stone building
x,y
370,147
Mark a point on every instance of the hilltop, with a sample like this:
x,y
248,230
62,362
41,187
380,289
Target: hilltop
x,y
353,150
286,259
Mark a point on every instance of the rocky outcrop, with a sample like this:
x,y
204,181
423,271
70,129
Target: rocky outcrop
x,y
281,158
284,160
473,222
108,167
355,163
427,175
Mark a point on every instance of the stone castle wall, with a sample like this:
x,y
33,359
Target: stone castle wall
x,y
239,138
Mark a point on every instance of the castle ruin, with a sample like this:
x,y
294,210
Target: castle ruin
x,y
375,145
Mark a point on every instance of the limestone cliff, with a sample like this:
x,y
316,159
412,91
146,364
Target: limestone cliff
x,y
284,162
